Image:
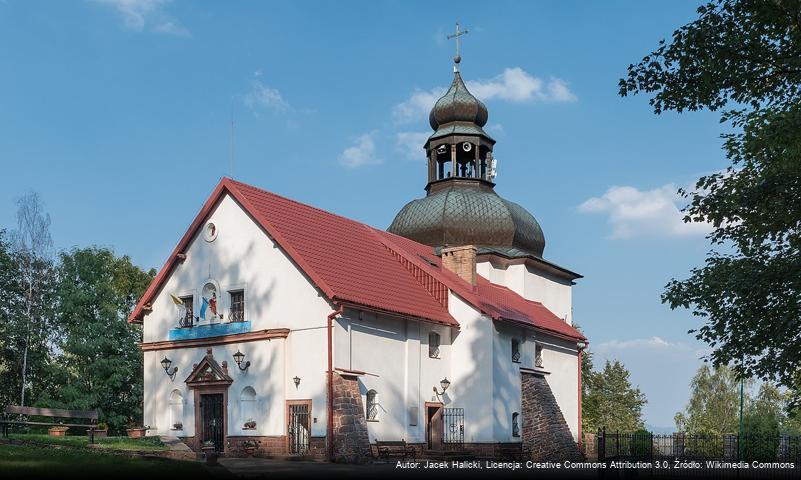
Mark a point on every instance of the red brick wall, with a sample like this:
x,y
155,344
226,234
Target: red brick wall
x,y
351,442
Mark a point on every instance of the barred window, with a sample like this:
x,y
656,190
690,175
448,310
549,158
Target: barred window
x,y
372,406
237,310
516,350
433,345
538,356
515,424
189,316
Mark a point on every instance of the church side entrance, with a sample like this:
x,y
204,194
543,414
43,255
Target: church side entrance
x,y
212,410
434,430
298,426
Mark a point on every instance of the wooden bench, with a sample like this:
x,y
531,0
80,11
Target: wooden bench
x,y
395,449
506,451
13,410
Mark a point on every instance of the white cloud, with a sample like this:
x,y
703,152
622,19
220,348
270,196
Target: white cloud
x,y
146,14
410,144
517,85
513,85
633,212
261,96
363,153
417,106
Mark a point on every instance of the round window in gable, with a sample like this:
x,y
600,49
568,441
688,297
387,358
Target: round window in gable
x,y
210,231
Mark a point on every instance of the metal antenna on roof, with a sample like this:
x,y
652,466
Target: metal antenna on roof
x,y
231,172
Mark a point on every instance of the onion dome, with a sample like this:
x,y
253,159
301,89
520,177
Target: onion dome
x,y
459,109
466,212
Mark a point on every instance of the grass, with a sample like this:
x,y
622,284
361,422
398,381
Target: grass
x,y
31,461
125,444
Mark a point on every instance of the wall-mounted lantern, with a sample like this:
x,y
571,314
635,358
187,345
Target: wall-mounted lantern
x,y
297,381
165,363
444,384
238,357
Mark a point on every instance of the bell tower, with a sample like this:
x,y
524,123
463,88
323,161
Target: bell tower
x,y
461,206
459,147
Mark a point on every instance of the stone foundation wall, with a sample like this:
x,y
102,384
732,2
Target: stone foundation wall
x,y
351,441
545,431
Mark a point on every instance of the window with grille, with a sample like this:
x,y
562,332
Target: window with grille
x,y
538,356
515,424
237,310
433,345
371,406
516,350
189,316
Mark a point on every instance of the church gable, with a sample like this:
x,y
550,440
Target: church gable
x,y
209,372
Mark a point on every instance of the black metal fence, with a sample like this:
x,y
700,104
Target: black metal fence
x,y
453,431
702,452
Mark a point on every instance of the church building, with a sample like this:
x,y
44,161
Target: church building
x,y
280,326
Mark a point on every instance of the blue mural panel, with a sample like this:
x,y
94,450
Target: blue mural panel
x,y
206,331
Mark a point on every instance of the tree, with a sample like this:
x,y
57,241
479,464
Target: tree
x,y
10,313
32,246
100,363
742,58
714,403
611,402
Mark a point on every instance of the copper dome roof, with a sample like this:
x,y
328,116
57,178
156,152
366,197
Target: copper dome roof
x,y
467,212
458,105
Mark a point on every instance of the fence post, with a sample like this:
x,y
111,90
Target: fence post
x,y
602,444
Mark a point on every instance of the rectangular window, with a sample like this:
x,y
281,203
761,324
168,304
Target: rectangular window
x,y
538,356
237,311
515,424
516,350
433,345
189,316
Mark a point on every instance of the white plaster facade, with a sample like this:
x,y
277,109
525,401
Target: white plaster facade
x,y
393,351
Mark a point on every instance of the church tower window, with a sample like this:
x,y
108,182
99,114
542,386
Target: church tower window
x,y
371,407
433,345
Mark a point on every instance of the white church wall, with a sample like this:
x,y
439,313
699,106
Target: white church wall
x,y
394,353
266,408
560,358
506,379
241,257
307,359
472,370
277,295
553,292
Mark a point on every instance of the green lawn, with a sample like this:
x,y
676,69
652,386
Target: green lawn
x,y
147,444
28,461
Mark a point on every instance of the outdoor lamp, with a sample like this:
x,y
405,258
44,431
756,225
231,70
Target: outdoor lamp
x,y
297,381
238,357
444,383
165,363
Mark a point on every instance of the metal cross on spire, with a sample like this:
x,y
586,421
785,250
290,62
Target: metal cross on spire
x,y
458,57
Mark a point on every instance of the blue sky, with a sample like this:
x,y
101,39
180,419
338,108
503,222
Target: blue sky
x,y
118,112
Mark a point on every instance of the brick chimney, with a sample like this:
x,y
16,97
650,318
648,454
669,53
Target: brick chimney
x,y
461,261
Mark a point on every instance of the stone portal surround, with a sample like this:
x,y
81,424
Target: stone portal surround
x,y
545,431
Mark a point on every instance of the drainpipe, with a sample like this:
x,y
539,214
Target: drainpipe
x,y
581,347
330,406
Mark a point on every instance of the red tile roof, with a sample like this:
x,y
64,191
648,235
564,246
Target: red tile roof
x,y
352,263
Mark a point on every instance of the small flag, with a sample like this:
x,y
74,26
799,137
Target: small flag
x,y
176,300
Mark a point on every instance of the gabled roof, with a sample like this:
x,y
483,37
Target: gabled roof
x,y
355,264
208,372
